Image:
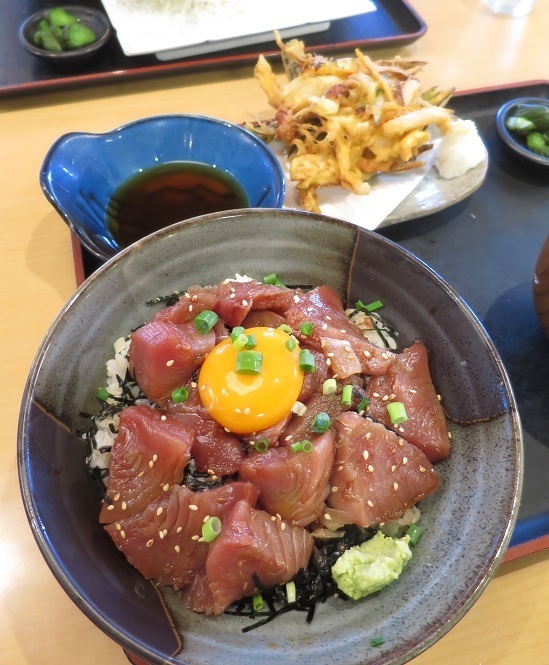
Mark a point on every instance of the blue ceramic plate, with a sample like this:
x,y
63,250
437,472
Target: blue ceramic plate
x,y
467,523
82,171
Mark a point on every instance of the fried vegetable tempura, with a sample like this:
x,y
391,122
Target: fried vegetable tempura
x,y
346,119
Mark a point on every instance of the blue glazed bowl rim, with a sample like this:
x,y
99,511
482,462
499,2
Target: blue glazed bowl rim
x,y
278,180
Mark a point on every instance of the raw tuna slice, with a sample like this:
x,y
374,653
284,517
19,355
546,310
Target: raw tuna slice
x,y
213,449
164,356
163,542
377,474
197,596
149,454
341,340
190,304
252,543
263,318
409,381
292,485
237,299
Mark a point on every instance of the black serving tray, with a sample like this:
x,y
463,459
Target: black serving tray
x,y
486,248
394,23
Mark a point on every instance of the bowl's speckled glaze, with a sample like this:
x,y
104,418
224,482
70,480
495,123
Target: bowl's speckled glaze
x,y
467,523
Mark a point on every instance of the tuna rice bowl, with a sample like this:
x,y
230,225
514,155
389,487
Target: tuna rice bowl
x,y
261,449
132,416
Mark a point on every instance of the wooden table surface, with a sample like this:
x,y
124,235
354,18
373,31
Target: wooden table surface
x,y
465,46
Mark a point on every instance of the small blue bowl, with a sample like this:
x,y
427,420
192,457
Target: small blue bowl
x,y
82,171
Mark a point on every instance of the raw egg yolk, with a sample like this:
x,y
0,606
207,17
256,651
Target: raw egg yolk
x,y
245,403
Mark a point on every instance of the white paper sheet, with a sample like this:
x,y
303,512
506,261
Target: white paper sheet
x,y
146,31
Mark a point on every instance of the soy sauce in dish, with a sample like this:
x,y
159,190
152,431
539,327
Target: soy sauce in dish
x,y
162,195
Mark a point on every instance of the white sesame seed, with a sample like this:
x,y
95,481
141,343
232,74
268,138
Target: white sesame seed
x,y
328,362
370,503
405,460
340,468
449,435
296,298
385,398
413,391
195,537
179,529
193,384
324,326
367,354
194,298
368,434
335,489
365,454
282,526
169,363
246,411
161,534
370,468
422,469
159,510
187,295
116,496
166,487
124,505
376,395
393,468
151,464
328,317
384,356
232,296
273,518
206,519
201,539
238,410
165,532
150,542
342,331
140,474
122,534
163,417
327,516
439,397
190,308
117,525
177,549
245,303
395,486
155,457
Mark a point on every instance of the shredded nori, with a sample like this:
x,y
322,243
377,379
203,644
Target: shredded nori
x,y
313,584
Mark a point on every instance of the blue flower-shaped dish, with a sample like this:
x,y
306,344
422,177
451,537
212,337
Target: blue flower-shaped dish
x,y
82,171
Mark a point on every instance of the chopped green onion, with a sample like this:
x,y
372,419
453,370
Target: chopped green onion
x,y
180,394
240,342
257,602
103,394
320,423
235,332
285,328
297,447
252,342
272,279
249,362
306,361
397,413
291,343
347,395
363,405
377,641
261,445
211,529
307,328
299,408
307,446
205,321
290,592
414,533
329,387
371,307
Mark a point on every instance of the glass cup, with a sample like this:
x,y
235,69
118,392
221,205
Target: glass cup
x,y
511,7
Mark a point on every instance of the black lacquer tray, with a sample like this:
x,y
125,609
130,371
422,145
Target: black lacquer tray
x,y
394,23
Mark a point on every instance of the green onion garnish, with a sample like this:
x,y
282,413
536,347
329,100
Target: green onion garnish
x,y
205,321
299,408
180,394
291,343
307,328
397,413
320,423
377,641
235,332
257,602
103,394
285,328
307,446
272,279
347,395
261,445
297,447
306,361
371,307
240,341
329,387
211,529
414,533
363,405
252,342
249,362
290,592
